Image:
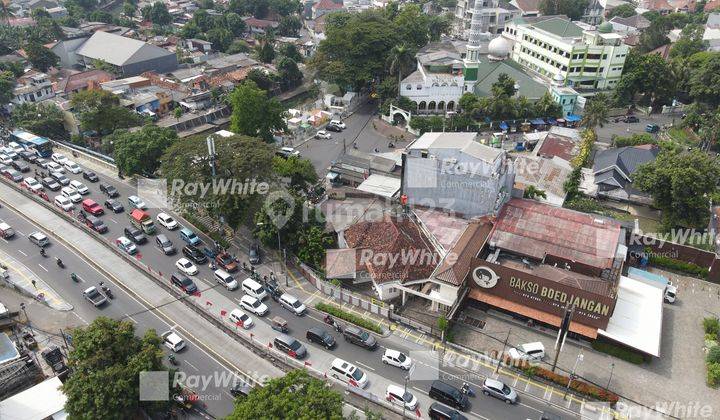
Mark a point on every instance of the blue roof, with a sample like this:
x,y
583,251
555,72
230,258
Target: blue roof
x,y
636,273
573,118
538,121
503,125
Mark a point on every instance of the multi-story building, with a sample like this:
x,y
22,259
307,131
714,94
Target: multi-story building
x,y
494,15
33,88
557,49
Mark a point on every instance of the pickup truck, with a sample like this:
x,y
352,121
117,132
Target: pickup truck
x,y
95,297
142,220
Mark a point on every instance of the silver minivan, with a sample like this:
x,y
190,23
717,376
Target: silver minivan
x,y
290,345
225,279
39,239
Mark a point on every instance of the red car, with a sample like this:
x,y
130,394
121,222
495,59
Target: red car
x,y
226,262
92,207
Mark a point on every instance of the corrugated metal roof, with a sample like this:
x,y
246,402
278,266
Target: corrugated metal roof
x,y
119,50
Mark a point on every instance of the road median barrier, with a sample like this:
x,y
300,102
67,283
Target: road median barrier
x,y
340,313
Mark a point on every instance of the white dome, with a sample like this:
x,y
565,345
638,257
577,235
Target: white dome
x,y
499,48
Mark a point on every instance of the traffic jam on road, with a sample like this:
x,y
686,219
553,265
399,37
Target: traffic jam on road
x,y
194,264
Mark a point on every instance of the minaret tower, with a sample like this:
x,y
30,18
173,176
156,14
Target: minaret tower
x,y
477,36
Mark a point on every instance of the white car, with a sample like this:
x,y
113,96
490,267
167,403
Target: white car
x,y
670,293
253,305
79,187
59,158
32,184
54,167
534,351
71,194
173,341
289,152
292,304
9,153
167,221
5,159
397,359
184,265
136,202
63,202
322,134
16,147
338,123
398,395
238,317
72,166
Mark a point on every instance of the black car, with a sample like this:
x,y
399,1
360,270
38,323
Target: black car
x,y
114,205
360,337
60,178
194,254
183,282
254,254
320,336
334,128
438,411
240,389
134,234
631,119
95,224
28,156
90,176
273,289
108,189
50,184
21,166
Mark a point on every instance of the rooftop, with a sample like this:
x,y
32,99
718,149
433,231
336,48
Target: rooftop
x,y
561,27
124,50
548,175
466,142
490,71
561,142
43,401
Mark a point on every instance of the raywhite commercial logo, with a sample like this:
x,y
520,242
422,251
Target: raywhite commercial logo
x,y
156,385
155,192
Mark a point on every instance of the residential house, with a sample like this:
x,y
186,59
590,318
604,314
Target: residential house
x,y
711,6
129,57
492,15
712,32
528,8
201,45
629,26
354,167
594,13
613,170
559,142
77,82
31,88
547,175
324,7
454,172
661,6
259,26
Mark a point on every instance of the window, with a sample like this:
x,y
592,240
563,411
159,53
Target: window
x,y
604,57
408,87
418,87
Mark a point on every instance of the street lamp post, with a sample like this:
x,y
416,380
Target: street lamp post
x,y
27,319
579,359
407,377
612,367
281,254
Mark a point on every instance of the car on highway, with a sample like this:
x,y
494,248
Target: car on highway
x,y
136,203
253,305
448,394
498,389
39,239
254,254
92,295
63,202
238,317
96,224
9,152
71,194
323,135
72,167
319,335
631,119
173,341
6,231
20,166
398,395
16,147
79,187
240,390
194,254
54,167
189,237
360,337
90,206
670,293
28,156
184,265
12,175
60,178
165,245
50,184
347,372
126,245
395,358
166,220
273,289
292,304
90,176
108,190
114,205
338,123
32,184
226,279
529,351
59,158
225,261
438,411
183,282
290,345
652,128
134,234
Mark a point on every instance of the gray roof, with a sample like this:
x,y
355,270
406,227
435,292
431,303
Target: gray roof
x,y
561,27
636,21
119,50
620,163
489,72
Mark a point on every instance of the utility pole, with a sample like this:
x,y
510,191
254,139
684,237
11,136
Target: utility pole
x,y
562,333
578,360
502,355
612,367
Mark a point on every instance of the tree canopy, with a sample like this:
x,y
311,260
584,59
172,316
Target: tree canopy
x,y
574,9
625,10
106,361
253,113
100,111
596,112
648,75
43,118
40,56
139,152
7,84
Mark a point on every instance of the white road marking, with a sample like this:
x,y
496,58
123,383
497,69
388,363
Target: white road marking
x,y
20,233
21,251
41,266
130,318
365,366
81,318
420,390
113,220
4,240
478,415
191,365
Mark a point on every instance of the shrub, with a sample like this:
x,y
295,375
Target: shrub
x,y
579,386
634,140
677,265
713,374
619,352
349,317
713,355
711,325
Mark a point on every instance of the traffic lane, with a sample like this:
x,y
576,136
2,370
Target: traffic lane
x,y
193,360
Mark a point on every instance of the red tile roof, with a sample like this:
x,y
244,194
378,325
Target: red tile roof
x,y
326,5
559,146
712,5
260,23
533,229
454,270
80,81
392,249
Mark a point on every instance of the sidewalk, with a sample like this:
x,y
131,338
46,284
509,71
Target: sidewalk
x,y
30,284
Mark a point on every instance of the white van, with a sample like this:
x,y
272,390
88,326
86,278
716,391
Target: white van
x,y
254,289
529,351
347,372
227,280
238,317
6,231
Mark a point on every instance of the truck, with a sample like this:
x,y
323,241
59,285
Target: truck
x,y
6,231
142,220
94,297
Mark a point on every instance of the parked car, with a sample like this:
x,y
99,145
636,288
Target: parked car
x,y
41,163
96,224
631,119
126,245
50,184
226,262
55,167
194,254
63,202
397,359
114,205
167,221
359,337
164,244
347,372
253,305
71,194
290,345
79,187
254,254
670,293
237,316
498,389
90,176
134,234
12,175
398,395
136,202
32,184
58,158
323,135
108,190
20,166
60,178
287,152
72,167
5,159
189,237
529,351
652,128
338,123
333,128
183,282
28,156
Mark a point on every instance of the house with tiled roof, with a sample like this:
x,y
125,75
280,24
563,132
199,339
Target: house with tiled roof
x,y
630,25
260,26
660,6
528,8
613,170
712,5
323,7
77,82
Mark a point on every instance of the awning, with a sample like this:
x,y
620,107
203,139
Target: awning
x,y
573,118
560,121
538,121
503,125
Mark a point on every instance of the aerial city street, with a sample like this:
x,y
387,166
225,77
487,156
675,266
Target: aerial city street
x,y
344,209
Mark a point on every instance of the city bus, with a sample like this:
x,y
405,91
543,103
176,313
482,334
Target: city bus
x,y
29,141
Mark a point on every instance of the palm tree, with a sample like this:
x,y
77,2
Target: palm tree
x,y
400,59
596,112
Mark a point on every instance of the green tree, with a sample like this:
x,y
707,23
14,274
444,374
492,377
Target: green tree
x,y
704,82
265,52
596,112
296,395
690,42
238,46
159,14
625,10
7,84
106,362
312,246
40,56
290,51
262,79
43,118
401,60
438,25
713,355
289,26
235,24
285,7
129,9
221,38
413,26
547,107
679,183
289,74
13,67
649,76
574,9
178,112
138,152
505,86
533,193
100,111
146,12
253,113
301,172
655,35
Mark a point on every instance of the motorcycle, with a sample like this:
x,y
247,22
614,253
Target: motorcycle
x,y
107,291
74,277
60,263
172,360
42,252
465,389
330,321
